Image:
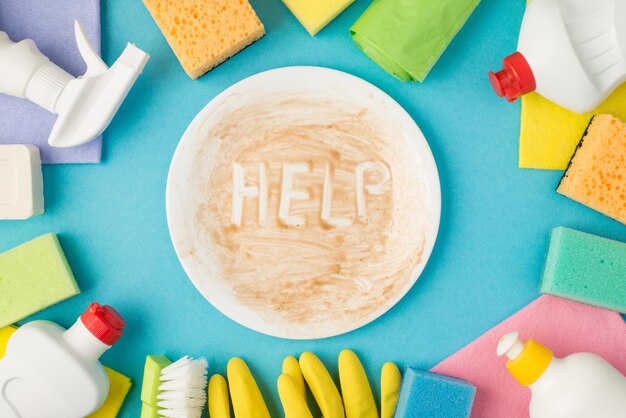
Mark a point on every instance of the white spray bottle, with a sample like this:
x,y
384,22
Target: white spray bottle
x,y
573,52
50,372
581,385
85,105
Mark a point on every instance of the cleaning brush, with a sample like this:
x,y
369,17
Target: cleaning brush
x,y
174,390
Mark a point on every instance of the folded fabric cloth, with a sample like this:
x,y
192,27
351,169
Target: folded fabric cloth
x,y
407,37
565,326
549,133
50,23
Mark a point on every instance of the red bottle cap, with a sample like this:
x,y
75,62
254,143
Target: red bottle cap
x,y
103,322
515,79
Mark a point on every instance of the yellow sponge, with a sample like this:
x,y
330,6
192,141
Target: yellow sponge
x,y
549,133
315,14
204,33
120,384
5,334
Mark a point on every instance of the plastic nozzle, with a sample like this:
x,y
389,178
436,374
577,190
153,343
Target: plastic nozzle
x,y
134,58
5,42
104,322
510,345
526,360
515,79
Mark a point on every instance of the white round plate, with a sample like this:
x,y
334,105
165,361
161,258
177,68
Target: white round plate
x,y
303,202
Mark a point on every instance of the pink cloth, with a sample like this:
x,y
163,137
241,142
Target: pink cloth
x,y
562,325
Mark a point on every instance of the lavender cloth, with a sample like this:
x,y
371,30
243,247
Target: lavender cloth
x,y
50,23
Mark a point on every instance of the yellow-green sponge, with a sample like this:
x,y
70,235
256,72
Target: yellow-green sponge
x,y
586,268
33,276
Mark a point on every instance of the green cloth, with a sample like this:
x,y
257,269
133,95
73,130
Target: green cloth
x,y
407,37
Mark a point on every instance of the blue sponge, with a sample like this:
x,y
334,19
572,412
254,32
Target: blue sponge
x,y
430,395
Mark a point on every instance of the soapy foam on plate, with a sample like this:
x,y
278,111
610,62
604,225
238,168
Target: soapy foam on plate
x,y
310,271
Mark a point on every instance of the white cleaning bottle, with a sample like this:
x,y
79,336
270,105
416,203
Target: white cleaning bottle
x,y
573,52
581,385
50,372
85,105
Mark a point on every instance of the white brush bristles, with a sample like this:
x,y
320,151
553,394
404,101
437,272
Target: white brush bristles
x,y
182,392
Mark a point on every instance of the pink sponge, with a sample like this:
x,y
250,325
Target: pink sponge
x,y
562,325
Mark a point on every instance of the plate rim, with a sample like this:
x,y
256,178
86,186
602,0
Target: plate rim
x,y
430,169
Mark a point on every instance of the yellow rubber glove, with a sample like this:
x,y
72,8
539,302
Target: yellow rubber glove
x,y
244,392
357,393
390,381
219,404
291,368
292,391
322,386
358,398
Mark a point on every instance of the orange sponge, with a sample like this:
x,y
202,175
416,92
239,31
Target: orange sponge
x,y
204,33
596,176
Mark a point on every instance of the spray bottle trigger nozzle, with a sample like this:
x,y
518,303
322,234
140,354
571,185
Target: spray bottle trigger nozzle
x,y
95,65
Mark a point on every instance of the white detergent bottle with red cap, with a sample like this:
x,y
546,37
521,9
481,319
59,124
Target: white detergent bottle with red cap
x,y
51,372
572,52
581,385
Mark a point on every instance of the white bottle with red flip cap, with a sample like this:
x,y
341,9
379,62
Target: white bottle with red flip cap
x,y
50,372
572,52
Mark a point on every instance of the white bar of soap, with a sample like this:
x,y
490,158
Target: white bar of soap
x,y
21,182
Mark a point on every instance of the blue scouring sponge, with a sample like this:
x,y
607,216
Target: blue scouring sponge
x,y
431,395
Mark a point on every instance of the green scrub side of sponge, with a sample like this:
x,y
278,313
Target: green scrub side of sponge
x,y
586,268
150,385
34,276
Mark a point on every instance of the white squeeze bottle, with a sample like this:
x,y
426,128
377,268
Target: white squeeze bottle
x,y
572,52
581,385
50,372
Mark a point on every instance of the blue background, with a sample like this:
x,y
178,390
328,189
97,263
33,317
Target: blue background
x,y
495,223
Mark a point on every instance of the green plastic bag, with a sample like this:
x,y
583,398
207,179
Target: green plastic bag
x,y
407,37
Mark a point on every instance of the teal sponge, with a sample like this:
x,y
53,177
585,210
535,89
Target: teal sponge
x,y
33,276
586,268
